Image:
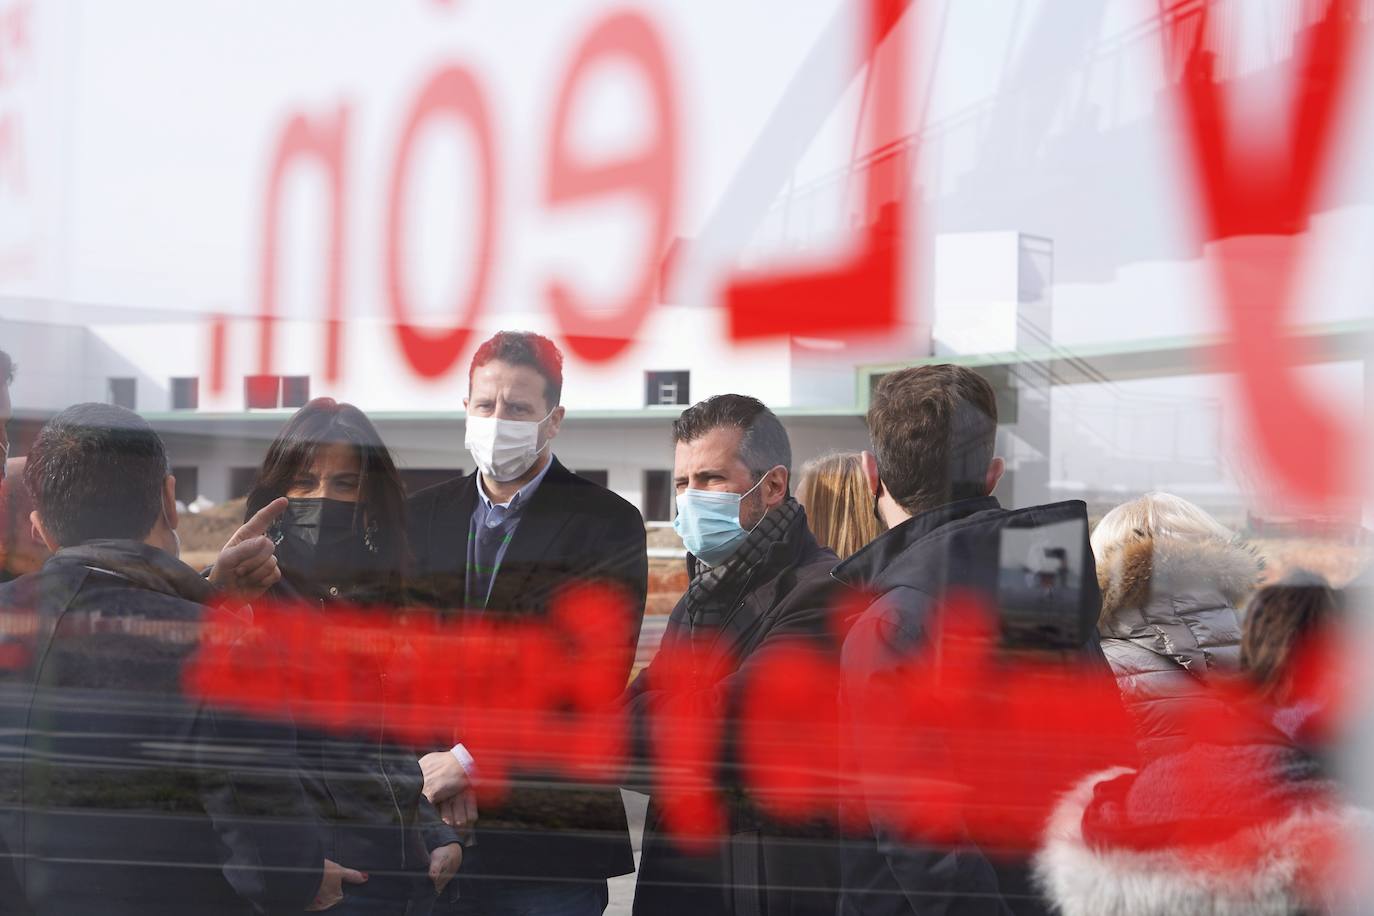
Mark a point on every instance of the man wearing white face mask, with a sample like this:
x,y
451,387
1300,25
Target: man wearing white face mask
x,y
758,581
505,541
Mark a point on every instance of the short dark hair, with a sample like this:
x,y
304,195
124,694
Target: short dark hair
x,y
524,348
934,429
97,471
6,368
763,444
1280,622
381,495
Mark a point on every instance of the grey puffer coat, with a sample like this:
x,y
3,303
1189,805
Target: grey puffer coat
x,y
1168,622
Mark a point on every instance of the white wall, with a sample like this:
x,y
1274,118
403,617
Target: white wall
x,y
54,365
377,376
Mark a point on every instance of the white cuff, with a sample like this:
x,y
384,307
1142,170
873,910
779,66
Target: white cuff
x,y
464,760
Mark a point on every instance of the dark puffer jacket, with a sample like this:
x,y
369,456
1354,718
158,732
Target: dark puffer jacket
x,y
133,796
1169,621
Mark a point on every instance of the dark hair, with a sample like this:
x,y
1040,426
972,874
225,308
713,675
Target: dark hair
x,y
381,495
763,445
6,368
524,348
97,471
934,429
1280,621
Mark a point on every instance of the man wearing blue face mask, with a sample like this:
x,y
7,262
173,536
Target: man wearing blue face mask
x,y
503,543
758,582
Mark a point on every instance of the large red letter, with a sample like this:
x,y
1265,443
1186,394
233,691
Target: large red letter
x,y
651,173
455,92
323,141
1251,186
864,293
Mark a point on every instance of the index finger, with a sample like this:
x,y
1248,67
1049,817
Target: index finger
x,y
262,519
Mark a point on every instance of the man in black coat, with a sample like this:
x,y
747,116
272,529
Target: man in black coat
x,y
134,797
503,543
759,582
932,472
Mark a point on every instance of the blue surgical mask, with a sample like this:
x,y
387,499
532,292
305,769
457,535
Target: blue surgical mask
x,y
708,523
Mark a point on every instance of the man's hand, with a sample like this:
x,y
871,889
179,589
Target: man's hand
x,y
443,865
331,885
247,565
460,811
444,777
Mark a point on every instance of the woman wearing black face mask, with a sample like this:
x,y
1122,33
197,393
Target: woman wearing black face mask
x,y
341,542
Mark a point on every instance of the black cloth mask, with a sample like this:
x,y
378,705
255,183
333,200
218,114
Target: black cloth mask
x,y
322,542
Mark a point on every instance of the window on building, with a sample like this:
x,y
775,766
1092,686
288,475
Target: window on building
x,y
241,480
658,496
295,390
123,392
185,393
263,392
664,388
600,478
188,484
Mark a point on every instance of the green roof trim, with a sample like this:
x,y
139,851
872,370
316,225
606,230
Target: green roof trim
x,y
1135,359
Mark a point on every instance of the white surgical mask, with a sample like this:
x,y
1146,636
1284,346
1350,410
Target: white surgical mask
x,y
504,449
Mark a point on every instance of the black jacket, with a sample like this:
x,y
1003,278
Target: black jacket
x,y
134,797
760,866
572,531
365,786
904,572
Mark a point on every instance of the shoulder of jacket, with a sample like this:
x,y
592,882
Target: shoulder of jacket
x,y
591,493
895,616
436,493
595,504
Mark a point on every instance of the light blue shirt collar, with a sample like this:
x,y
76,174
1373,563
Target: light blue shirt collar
x,y
521,495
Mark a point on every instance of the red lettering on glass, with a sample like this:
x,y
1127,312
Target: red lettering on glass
x,y
322,141
863,294
1251,186
452,92
601,331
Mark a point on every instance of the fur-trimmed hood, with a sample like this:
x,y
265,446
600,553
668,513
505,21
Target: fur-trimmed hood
x,y
1168,602
1138,571
1297,863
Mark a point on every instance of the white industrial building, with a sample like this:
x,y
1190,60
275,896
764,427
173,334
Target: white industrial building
x,y
1053,240
618,422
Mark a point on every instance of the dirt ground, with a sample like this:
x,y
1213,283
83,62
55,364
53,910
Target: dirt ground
x,y
1339,563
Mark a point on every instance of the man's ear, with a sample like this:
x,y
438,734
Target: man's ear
x,y
169,501
870,467
42,532
556,420
996,469
774,489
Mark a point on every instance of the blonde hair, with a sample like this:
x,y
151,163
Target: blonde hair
x,y
1156,515
839,506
